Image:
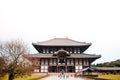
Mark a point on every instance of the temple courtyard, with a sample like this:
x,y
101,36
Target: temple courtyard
x,y
100,77
66,77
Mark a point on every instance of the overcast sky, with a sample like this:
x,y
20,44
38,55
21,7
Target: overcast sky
x,y
95,21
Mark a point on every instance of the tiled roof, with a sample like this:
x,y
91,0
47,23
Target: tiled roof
x,y
62,42
106,68
41,55
83,55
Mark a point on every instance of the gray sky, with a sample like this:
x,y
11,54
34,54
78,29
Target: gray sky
x,y
95,21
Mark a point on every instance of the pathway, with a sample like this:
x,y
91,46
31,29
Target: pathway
x,y
54,77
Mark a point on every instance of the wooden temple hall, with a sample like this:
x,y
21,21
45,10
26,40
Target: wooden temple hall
x,y
61,54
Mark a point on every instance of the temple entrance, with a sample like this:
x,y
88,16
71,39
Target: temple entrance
x,y
61,68
62,60
70,69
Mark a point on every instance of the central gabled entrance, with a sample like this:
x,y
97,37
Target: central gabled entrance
x,y
61,60
61,68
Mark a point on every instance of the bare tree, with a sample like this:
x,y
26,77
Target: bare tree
x,y
2,69
12,52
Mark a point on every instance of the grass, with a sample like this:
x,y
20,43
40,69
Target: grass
x,y
89,76
103,77
109,77
32,77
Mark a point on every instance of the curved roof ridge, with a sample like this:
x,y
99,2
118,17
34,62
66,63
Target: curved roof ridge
x,y
62,42
76,41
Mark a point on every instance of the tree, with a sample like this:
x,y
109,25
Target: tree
x,y
115,63
2,67
11,52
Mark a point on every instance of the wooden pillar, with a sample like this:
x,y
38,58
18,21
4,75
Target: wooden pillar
x,y
66,68
39,65
74,64
82,66
89,62
57,68
56,65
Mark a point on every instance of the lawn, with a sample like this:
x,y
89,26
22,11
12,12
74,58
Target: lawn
x,y
109,77
32,77
103,77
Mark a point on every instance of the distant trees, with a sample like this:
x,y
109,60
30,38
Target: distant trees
x,y
12,61
108,64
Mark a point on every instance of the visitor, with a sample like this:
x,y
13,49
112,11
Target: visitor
x,y
75,75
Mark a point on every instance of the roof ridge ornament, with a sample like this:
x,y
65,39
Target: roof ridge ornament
x,y
61,50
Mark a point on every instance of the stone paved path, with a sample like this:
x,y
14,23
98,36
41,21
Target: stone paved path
x,y
53,77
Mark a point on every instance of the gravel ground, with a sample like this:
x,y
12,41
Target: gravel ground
x,y
53,77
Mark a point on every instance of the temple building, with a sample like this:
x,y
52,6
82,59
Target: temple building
x,y
61,54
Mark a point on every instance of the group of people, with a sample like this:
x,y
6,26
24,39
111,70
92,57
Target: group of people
x,y
63,75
